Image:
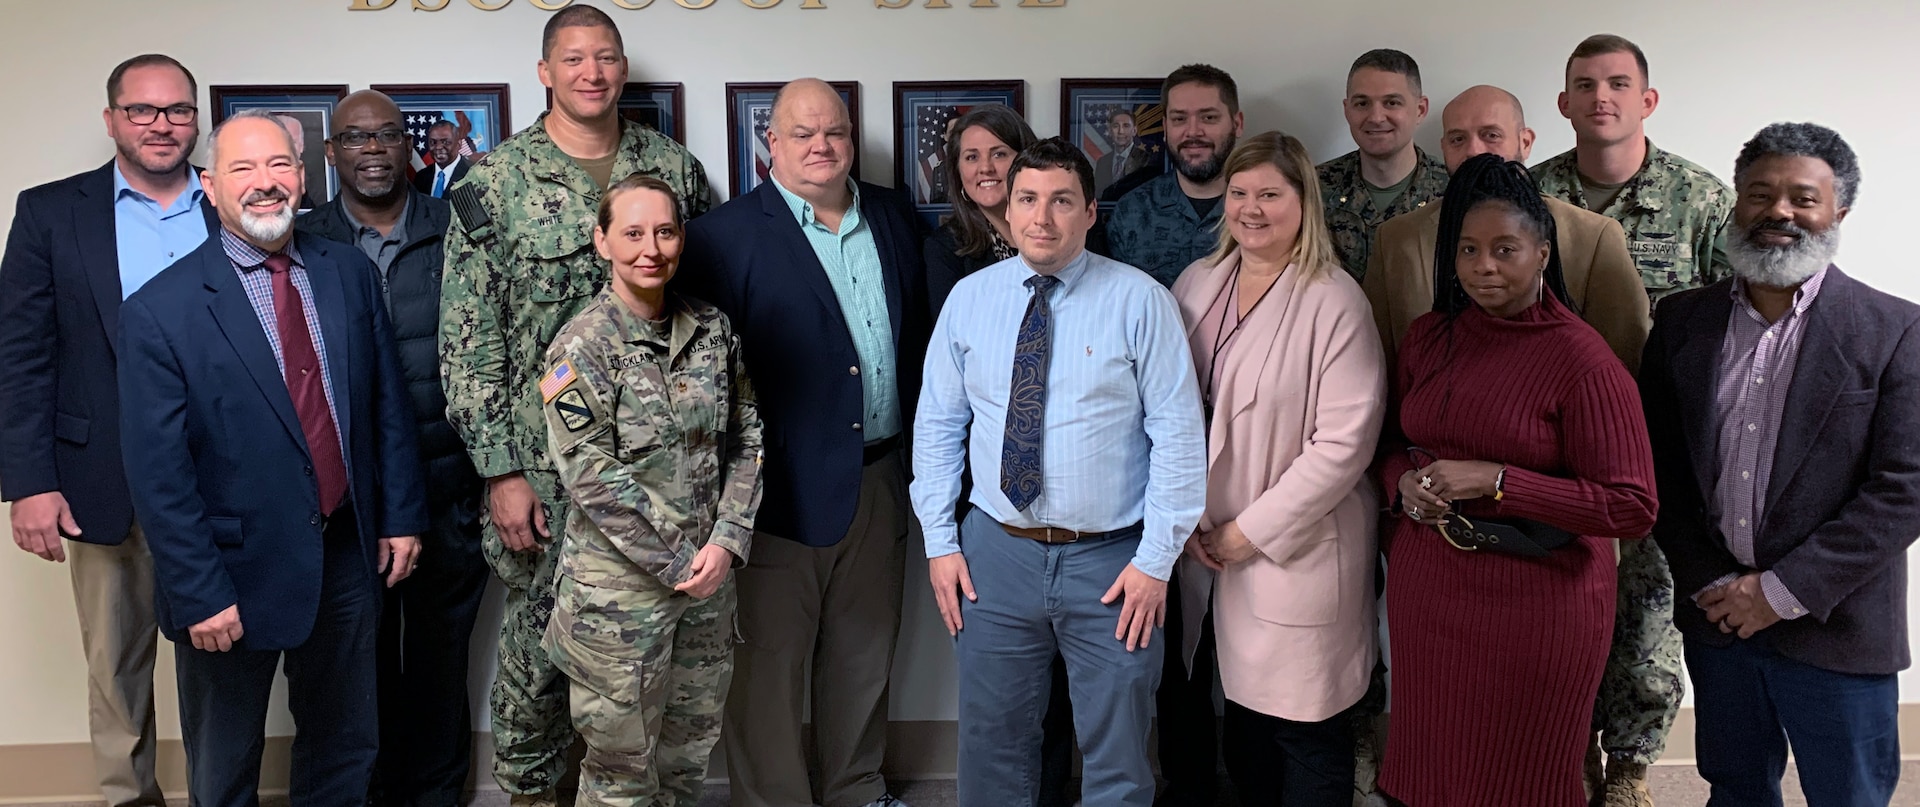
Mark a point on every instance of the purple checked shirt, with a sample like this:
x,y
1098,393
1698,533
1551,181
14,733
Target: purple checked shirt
x,y
1756,369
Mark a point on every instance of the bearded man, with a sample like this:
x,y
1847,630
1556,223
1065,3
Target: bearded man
x,y
1784,408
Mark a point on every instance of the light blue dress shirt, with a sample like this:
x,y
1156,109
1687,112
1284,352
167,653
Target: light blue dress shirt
x,y
150,238
1124,438
852,260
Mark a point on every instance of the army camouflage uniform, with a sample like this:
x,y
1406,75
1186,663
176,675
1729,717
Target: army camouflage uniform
x,y
1674,213
520,263
1352,218
653,429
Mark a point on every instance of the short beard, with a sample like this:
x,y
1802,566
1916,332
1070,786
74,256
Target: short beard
x,y
1781,267
371,190
270,228
1206,170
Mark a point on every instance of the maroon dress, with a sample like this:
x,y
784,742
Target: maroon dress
x,y
1497,657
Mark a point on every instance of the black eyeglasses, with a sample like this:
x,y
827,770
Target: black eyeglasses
x,y
144,114
359,140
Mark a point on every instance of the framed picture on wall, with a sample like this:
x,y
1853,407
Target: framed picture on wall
x,y
750,115
306,110
1120,124
661,107
923,116
477,113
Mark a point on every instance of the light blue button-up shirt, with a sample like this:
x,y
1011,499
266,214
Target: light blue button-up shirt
x,y
150,238
852,260
1123,438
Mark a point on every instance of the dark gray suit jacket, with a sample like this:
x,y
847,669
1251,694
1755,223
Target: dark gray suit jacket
x,y
1843,502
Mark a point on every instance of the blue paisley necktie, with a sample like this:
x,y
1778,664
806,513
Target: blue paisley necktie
x,y
1027,398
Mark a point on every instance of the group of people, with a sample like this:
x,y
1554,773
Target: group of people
x,y
693,442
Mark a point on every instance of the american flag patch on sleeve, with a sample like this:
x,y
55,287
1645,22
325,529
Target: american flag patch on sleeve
x,y
556,380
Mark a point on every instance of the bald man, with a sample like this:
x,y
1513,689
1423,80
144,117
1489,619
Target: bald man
x,y
822,278
425,742
1593,249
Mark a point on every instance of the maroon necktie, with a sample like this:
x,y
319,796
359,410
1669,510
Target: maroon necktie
x,y
305,385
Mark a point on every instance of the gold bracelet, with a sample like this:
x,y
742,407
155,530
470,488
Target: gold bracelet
x,y
1500,484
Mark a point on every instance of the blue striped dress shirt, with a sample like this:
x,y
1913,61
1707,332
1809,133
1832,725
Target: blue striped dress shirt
x,y
1124,439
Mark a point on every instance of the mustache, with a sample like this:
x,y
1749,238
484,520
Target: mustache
x,y
265,195
1783,226
1195,141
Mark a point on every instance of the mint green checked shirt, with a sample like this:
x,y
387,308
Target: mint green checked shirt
x,y
852,261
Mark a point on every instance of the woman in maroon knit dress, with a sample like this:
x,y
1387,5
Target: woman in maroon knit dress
x,y
1512,410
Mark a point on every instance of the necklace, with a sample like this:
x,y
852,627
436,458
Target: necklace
x,y
1222,335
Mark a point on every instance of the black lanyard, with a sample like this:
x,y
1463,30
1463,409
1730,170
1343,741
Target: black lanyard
x,y
1222,336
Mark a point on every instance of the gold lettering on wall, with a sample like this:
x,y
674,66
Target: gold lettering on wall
x,y
423,5
985,4
892,3
938,4
761,3
813,4
1042,3
694,3
632,6
484,7
550,5
369,5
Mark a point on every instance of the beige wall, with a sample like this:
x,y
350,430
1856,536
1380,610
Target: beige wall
x,y
1724,68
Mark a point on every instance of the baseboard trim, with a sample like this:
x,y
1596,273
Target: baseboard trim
x,y
57,773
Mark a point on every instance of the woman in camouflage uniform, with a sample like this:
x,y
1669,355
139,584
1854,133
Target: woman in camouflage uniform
x,y
652,426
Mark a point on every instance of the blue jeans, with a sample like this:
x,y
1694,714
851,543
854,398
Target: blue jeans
x,y
1036,599
1751,702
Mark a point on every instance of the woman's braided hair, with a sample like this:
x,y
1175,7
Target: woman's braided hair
x,y
1482,179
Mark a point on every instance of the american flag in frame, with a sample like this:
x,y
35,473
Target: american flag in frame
x,y
750,114
478,112
923,111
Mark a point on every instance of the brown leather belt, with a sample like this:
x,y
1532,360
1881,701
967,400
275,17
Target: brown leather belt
x,y
1061,535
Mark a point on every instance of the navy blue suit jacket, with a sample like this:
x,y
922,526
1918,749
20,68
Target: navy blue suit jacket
x,y
750,259
59,312
216,459
1843,502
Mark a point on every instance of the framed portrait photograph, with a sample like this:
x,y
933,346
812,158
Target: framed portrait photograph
x,y
306,110
1120,124
923,116
750,115
662,107
471,120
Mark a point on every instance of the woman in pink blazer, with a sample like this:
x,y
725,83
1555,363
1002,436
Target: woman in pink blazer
x,y
1294,383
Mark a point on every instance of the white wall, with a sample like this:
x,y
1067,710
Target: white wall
x,y
1724,69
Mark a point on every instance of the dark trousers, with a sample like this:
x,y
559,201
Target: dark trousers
x,y
1189,760
425,624
1751,703
330,691
1275,761
1056,742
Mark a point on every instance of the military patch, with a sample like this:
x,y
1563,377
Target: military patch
x,y
474,217
556,380
573,410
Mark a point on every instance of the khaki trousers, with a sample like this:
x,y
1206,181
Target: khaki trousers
x,y
833,612
113,593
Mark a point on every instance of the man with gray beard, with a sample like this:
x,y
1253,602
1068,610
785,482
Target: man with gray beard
x,y
273,464
425,743
1784,410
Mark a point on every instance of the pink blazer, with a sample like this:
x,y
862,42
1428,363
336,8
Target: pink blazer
x,y
1295,422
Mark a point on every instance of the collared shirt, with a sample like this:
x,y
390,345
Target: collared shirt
x,y
1124,442
381,249
250,263
150,238
1154,228
1675,214
852,260
1757,360
443,177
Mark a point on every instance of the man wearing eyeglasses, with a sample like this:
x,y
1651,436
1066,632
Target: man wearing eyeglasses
x,y
443,145
78,246
424,726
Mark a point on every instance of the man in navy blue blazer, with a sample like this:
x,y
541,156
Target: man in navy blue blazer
x,y
77,247
1784,407
272,460
822,277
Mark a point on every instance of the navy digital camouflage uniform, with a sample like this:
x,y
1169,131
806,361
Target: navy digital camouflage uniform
x,y
1155,230
1675,214
653,429
1352,218
520,263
